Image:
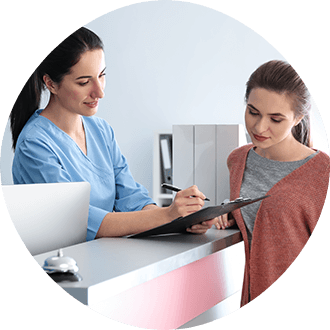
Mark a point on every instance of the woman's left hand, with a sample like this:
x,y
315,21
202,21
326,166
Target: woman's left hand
x,y
203,227
224,221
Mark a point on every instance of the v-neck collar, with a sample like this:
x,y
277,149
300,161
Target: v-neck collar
x,y
38,112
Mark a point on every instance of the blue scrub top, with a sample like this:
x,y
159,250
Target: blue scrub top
x,y
46,154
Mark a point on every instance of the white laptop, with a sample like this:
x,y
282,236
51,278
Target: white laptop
x,y
49,216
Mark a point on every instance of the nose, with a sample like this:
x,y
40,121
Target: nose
x,y
98,90
261,126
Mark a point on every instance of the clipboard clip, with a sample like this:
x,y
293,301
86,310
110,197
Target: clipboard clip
x,y
237,200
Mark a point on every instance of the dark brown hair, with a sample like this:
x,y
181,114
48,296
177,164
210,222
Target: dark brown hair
x,y
280,77
56,65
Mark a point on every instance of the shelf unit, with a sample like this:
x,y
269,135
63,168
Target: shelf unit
x,y
200,155
159,195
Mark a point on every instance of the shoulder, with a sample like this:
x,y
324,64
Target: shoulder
x,y
317,172
320,162
323,157
36,129
307,185
239,154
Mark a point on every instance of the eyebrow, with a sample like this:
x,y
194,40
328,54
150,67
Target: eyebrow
x,y
270,114
88,77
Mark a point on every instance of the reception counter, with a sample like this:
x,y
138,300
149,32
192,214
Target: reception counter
x,y
162,282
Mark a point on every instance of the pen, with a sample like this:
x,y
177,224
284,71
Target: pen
x,y
173,188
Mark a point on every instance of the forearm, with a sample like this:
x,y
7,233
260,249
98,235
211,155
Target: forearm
x,y
150,207
119,224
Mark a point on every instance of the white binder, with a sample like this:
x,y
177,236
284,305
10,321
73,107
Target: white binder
x,y
200,155
165,141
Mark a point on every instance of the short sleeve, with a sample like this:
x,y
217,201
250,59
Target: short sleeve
x,y
95,218
130,195
36,162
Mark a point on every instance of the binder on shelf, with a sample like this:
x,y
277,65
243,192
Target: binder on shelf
x,y
205,161
200,155
183,155
228,137
161,196
165,141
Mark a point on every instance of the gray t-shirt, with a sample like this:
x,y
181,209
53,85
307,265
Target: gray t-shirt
x,y
260,175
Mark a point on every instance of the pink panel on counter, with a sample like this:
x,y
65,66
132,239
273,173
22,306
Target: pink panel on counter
x,y
175,298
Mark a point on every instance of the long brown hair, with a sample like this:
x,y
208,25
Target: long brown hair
x,y
280,77
56,65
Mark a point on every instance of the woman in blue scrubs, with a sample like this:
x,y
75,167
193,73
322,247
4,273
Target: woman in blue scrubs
x,y
65,142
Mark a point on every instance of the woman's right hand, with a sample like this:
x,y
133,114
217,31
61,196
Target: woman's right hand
x,y
186,202
223,221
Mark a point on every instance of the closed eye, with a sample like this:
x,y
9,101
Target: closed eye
x,y
276,120
83,83
253,113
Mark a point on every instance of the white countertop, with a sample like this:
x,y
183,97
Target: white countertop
x,y
110,266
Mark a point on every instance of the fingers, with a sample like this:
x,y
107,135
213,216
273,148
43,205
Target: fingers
x,y
191,201
211,222
187,201
223,222
187,207
198,229
192,198
220,222
192,192
203,227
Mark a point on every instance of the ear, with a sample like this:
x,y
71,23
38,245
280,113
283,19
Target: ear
x,y
51,86
298,120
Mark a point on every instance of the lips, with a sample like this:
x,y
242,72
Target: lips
x,y
93,104
260,138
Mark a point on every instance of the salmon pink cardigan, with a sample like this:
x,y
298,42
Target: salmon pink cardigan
x,y
284,221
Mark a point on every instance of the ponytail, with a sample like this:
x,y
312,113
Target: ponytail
x,y
56,65
26,104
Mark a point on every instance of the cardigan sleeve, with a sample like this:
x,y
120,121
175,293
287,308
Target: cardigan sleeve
x,y
286,220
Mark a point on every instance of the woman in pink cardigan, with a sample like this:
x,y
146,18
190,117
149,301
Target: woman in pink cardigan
x,y
281,163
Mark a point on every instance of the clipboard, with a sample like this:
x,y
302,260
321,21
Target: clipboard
x,y
180,225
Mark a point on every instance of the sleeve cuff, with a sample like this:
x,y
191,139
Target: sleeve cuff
x,y
95,218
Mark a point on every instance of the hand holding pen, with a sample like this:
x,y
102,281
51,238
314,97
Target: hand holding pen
x,y
176,189
188,201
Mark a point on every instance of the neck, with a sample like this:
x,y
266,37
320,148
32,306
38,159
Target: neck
x,y
68,122
286,151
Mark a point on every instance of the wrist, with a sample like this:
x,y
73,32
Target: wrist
x,y
168,213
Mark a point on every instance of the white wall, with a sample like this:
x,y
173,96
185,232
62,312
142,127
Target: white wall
x,y
171,63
